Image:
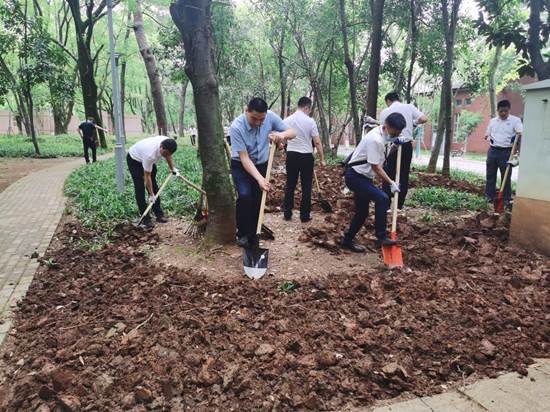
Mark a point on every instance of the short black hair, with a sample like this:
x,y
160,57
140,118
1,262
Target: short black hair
x,y
504,104
257,104
396,121
392,97
304,102
170,145
90,118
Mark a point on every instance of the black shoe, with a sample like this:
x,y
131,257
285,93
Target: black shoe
x,y
351,245
386,242
242,241
288,216
162,219
147,223
305,219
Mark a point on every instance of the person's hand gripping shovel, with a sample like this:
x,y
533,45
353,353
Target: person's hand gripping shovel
x,y
392,254
499,199
255,257
154,199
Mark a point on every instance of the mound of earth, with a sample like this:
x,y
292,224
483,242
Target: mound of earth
x,y
108,330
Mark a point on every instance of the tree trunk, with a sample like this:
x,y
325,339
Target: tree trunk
x,y
377,7
123,66
181,112
436,146
414,35
84,33
152,72
535,47
194,21
351,73
449,29
491,80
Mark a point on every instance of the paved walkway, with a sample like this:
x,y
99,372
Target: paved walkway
x,y
507,393
31,210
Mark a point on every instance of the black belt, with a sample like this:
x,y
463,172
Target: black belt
x,y
501,148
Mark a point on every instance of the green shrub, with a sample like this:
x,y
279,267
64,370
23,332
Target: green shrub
x,y
445,199
97,203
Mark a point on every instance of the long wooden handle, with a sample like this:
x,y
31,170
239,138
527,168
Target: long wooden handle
x,y
264,194
508,167
157,194
316,182
396,194
193,185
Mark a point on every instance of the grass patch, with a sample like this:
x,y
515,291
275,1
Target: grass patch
x,y
333,161
471,177
96,202
445,199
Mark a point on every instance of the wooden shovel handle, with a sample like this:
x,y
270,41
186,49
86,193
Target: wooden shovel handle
x,y
396,194
508,167
157,194
193,185
264,193
316,182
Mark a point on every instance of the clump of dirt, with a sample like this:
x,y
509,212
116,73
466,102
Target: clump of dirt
x,y
108,330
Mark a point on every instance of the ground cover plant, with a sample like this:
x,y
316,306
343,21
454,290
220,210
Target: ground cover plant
x,y
95,200
445,199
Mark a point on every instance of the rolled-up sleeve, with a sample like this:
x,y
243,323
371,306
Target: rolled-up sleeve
x,y
237,142
518,127
148,164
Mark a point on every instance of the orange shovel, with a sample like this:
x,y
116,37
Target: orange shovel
x,y
392,254
499,200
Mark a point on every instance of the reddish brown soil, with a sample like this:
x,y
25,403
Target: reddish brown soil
x,y
429,180
108,330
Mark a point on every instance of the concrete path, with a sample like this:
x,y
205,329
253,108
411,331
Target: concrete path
x,y
31,210
507,393
457,163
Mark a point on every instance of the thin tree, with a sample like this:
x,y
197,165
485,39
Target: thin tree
x,y
152,72
377,8
193,19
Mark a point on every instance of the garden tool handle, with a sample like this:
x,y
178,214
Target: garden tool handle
x,y
396,194
316,181
156,194
264,193
508,167
193,185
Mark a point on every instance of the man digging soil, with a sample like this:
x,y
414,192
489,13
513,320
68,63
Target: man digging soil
x,y
142,159
251,134
364,165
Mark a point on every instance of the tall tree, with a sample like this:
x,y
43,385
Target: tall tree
x,y
84,31
194,20
538,35
152,72
491,86
350,66
377,8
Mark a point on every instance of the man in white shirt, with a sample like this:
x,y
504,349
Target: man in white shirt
x,y
501,132
366,163
413,117
142,159
193,133
299,158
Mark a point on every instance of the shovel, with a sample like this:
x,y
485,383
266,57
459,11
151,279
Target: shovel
x,y
158,194
255,257
325,205
392,254
499,200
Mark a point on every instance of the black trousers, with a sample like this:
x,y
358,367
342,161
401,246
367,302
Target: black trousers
x,y
89,144
193,140
136,170
249,198
497,160
298,165
391,167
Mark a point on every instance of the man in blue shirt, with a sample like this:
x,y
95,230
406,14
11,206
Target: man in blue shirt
x,y
251,134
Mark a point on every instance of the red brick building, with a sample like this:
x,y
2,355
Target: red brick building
x,y
480,104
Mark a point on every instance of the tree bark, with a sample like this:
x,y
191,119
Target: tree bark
x,y
181,111
491,80
351,73
377,7
534,45
152,72
84,34
194,20
436,146
413,38
123,66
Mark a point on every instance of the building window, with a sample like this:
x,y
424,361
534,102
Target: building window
x,y
458,102
468,101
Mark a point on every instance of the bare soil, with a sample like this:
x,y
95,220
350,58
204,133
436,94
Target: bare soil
x,y
129,327
12,170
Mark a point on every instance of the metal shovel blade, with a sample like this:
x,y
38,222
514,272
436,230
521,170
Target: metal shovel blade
x,y
255,262
267,233
393,257
499,202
